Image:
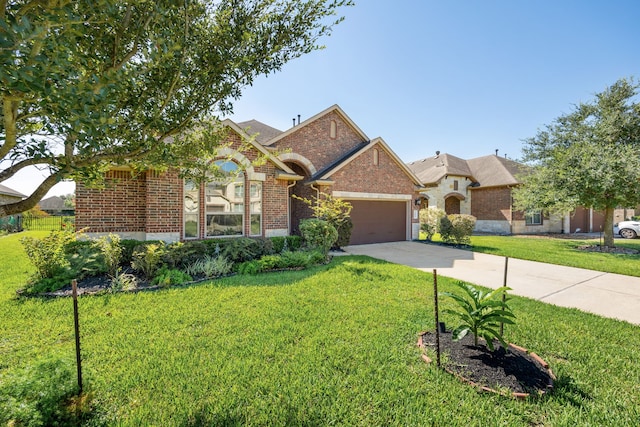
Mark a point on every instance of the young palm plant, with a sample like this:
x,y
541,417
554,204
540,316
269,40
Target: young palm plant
x,y
480,313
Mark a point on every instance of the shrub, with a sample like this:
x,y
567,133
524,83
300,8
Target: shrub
x,y
180,255
318,234
210,266
42,394
457,228
285,243
430,221
147,258
243,249
111,252
123,282
249,267
48,254
168,277
128,246
270,262
336,212
480,313
85,259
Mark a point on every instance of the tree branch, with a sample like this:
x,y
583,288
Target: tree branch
x,y
33,199
13,169
9,114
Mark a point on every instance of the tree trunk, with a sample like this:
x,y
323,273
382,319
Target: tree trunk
x,y
608,227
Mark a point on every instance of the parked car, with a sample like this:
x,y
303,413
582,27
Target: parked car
x,y
627,229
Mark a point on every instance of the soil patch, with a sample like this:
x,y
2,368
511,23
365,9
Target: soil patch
x,y
513,369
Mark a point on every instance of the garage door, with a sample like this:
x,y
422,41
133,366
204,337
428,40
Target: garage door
x,y
378,221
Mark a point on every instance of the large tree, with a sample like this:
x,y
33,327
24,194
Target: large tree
x,y
87,84
589,157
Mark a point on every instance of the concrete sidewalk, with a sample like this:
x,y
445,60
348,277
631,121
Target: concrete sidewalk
x,y
606,294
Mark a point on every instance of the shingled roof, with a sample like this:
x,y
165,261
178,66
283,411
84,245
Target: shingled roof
x,y
262,131
10,192
432,169
487,171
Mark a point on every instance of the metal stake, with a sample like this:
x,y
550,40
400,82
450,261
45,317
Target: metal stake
x,y
74,288
504,295
435,304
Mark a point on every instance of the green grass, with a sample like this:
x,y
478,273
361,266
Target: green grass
x,y
331,345
560,251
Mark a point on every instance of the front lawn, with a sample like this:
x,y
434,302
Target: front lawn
x,y
334,344
560,250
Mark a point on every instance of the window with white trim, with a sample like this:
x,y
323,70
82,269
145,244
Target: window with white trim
x,y
255,208
533,218
224,202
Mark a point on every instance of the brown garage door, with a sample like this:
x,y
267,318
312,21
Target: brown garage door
x,y
378,221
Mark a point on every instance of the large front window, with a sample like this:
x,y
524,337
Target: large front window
x,y
224,205
224,202
191,210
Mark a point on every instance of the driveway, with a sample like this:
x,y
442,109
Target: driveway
x,y
606,294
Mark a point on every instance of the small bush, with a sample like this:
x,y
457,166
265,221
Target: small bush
x,y
318,234
123,282
286,243
180,255
111,252
249,267
42,395
48,254
210,266
128,246
457,228
243,249
269,262
344,230
147,258
430,221
85,260
168,277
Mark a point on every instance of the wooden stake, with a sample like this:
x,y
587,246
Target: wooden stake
x,y
435,305
74,288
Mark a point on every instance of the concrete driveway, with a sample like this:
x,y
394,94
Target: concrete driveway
x,y
606,294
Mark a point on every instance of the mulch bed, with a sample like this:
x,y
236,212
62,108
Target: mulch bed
x,y
513,372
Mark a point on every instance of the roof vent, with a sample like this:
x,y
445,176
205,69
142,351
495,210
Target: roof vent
x,y
437,154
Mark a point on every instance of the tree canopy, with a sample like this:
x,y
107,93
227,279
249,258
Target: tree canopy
x,y
90,84
589,157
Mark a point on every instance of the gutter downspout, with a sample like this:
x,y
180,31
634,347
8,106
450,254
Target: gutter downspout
x,y
289,207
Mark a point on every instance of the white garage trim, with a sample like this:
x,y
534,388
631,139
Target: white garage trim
x,y
353,195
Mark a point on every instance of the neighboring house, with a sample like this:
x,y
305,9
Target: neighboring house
x,y
327,153
8,195
54,205
480,187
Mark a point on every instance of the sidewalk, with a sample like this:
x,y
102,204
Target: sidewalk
x,y
606,294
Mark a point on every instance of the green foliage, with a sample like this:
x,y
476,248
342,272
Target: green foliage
x,y
336,212
85,259
210,266
123,282
111,252
40,395
167,277
318,234
105,83
183,254
285,260
457,228
243,249
480,313
293,243
249,267
588,158
430,221
48,254
147,258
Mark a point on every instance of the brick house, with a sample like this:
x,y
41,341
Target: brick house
x,y
480,187
327,153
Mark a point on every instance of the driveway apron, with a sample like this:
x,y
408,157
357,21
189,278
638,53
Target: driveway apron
x,y
606,294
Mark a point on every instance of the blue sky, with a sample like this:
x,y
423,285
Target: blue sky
x,y
463,77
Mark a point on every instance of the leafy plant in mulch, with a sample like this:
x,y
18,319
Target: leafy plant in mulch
x,y
480,313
